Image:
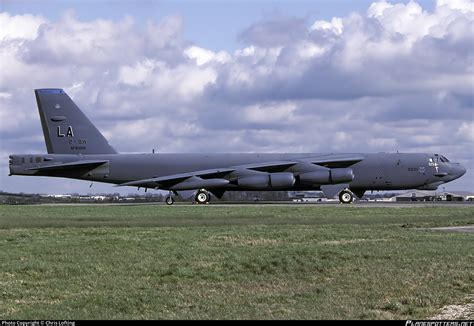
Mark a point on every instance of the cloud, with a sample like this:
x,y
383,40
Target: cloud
x,y
19,27
86,43
466,132
392,49
203,56
274,33
395,77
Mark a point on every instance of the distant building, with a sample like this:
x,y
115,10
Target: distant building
x,y
61,196
100,197
86,199
466,195
417,195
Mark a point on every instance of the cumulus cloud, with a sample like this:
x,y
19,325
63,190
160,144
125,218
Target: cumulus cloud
x,y
395,77
391,49
23,27
85,43
466,132
203,56
274,33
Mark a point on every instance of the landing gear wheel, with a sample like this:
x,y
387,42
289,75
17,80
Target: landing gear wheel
x,y
169,200
346,197
202,197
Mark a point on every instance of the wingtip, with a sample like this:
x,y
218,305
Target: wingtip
x,y
49,91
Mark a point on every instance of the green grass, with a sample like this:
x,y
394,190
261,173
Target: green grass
x,y
244,262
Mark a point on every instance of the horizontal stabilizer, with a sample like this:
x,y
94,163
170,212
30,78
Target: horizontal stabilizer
x,y
84,164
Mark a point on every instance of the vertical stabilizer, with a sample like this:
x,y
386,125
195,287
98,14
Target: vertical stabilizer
x,y
66,129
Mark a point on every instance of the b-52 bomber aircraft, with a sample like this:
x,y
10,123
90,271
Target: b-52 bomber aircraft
x,y
77,150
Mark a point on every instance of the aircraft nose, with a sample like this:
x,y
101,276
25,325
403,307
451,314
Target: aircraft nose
x,y
462,170
458,170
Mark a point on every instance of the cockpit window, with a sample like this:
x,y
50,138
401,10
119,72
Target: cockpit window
x,y
441,158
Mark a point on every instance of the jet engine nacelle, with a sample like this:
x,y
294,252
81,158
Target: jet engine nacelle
x,y
342,175
329,176
280,180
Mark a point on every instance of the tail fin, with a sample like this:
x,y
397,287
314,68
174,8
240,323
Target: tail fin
x,y
66,129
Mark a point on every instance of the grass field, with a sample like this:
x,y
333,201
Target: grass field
x,y
240,262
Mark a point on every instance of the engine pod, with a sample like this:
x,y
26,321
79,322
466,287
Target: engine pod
x,y
274,181
282,180
342,175
321,177
330,176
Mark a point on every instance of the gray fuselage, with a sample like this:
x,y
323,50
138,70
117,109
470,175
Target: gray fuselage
x,y
377,171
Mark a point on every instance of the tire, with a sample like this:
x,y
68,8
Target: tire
x,y
169,200
202,197
346,197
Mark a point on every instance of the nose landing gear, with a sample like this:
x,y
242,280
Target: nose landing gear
x,y
169,200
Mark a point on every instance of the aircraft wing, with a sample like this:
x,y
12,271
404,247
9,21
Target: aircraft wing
x,y
336,161
173,179
276,166
215,178
329,161
189,178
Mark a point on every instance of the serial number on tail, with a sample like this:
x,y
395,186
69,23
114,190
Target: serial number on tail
x,y
77,141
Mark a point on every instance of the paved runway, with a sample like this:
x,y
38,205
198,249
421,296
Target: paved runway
x,y
467,229
337,204
295,204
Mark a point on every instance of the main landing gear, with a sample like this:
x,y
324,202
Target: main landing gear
x,y
201,197
346,196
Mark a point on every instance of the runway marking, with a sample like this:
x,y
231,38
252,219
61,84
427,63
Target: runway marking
x,y
465,311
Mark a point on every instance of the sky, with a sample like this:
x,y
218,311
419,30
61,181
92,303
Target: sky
x,y
242,76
